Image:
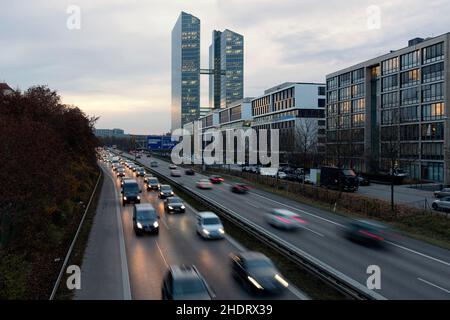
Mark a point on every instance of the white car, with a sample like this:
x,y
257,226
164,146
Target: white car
x,y
175,173
284,219
281,175
204,184
441,204
209,225
172,166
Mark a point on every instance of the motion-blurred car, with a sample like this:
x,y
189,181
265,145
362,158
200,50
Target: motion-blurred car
x,y
120,172
240,188
204,184
257,272
366,232
175,173
154,164
209,225
216,179
145,219
165,191
363,181
172,166
140,172
445,192
174,204
146,176
189,172
185,283
442,203
130,192
284,219
152,184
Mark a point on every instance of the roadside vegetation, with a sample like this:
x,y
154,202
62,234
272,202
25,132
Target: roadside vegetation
x,y
47,154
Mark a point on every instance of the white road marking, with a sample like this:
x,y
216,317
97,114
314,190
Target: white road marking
x,y
297,293
165,223
315,232
123,256
252,204
434,285
419,253
234,243
162,255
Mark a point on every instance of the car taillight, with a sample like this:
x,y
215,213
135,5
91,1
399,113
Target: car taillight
x,y
371,235
299,220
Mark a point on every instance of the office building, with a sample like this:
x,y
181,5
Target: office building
x,y
185,70
117,133
215,67
391,110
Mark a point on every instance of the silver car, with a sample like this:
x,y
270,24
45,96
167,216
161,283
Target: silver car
x,y
441,204
284,219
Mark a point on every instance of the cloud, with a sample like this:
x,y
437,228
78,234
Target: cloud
x,y
118,65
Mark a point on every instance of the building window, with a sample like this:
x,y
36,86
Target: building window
x,y
433,53
433,92
389,117
345,107
332,83
409,114
389,66
389,83
433,131
432,151
332,96
434,72
434,111
409,150
409,96
358,120
345,93
358,75
433,171
410,78
409,132
410,60
344,79
321,103
389,100
358,90
358,105
321,91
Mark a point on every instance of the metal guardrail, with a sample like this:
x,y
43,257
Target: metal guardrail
x,y
72,245
337,279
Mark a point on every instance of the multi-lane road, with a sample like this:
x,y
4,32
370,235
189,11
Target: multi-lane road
x,y
410,269
120,265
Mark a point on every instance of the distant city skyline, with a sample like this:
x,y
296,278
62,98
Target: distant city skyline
x,y
117,66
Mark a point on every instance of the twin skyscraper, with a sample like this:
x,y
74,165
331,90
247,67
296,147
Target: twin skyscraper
x,y
226,69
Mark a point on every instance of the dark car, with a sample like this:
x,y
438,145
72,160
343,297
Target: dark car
x,y
165,191
445,192
152,183
240,188
366,232
146,176
216,179
120,172
363,181
130,192
189,172
140,172
153,164
257,273
174,204
185,283
145,219
123,179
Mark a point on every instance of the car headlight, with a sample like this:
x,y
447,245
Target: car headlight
x,y
162,193
139,225
156,224
124,198
281,280
205,231
138,197
255,283
183,207
170,207
171,192
221,231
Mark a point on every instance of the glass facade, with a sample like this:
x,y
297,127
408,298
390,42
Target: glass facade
x,y
215,64
232,61
185,70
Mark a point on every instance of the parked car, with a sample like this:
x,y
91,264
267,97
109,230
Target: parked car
x,y
216,179
175,173
445,192
284,219
442,203
189,172
209,226
281,175
185,283
152,183
165,191
204,184
130,192
145,219
257,273
174,204
363,181
240,188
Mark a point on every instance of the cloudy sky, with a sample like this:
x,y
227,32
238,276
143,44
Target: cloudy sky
x,y
117,65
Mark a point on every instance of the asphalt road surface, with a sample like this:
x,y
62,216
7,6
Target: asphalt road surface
x,y
410,269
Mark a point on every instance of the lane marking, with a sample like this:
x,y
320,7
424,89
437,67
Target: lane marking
x,y
123,256
234,243
162,255
252,204
434,285
297,293
419,253
165,223
315,232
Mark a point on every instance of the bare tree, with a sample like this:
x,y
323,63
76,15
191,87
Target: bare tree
x,y
306,140
390,153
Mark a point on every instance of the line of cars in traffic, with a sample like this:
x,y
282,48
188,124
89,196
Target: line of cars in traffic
x,y
253,270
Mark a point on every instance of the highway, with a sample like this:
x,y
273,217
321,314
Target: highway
x,y
148,257
410,269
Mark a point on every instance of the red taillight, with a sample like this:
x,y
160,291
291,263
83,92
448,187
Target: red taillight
x,y
299,220
371,235
284,220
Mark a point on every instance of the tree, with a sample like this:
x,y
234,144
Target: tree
x,y
390,152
